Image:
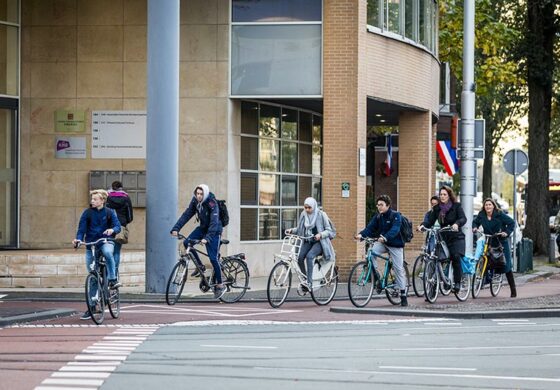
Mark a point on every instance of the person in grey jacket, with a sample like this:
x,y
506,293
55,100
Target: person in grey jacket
x,y
313,222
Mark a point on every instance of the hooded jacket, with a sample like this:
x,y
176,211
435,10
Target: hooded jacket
x,y
207,212
120,202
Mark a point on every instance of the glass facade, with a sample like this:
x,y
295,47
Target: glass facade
x,y
415,20
281,157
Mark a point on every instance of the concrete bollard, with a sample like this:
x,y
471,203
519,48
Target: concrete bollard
x,y
552,249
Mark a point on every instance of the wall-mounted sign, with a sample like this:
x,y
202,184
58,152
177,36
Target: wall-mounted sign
x,y
362,161
69,121
118,134
345,190
70,147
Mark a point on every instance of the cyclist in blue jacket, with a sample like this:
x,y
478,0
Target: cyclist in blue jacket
x,y
386,227
205,206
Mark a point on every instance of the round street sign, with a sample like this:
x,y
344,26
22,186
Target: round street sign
x,y
516,162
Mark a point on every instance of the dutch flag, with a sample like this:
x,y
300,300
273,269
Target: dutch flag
x,y
389,160
448,157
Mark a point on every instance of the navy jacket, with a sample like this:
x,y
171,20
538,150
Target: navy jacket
x,y
500,222
387,225
94,222
209,217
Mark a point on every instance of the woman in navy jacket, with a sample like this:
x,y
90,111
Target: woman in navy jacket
x,y
493,221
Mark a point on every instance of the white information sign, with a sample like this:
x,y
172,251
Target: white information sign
x,y
118,134
70,147
362,161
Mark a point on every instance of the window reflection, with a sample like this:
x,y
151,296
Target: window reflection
x,y
392,23
269,189
269,121
316,160
289,123
305,158
269,222
289,190
289,157
248,188
289,219
269,153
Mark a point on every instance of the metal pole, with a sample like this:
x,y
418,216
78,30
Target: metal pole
x,y
468,162
513,256
162,159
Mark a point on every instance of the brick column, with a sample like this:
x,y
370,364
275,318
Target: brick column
x,y
417,169
344,122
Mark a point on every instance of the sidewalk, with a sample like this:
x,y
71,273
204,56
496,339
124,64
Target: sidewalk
x,y
538,295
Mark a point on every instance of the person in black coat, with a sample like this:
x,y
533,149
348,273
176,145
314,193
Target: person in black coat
x,y
118,200
493,221
450,213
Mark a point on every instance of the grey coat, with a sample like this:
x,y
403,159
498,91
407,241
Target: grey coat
x,y
325,228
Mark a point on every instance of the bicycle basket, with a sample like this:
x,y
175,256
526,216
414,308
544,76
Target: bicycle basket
x,y
291,245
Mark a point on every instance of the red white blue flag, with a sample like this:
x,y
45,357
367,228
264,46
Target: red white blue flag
x,y
389,159
448,157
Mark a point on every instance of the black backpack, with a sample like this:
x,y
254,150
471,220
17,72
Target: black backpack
x,y
224,214
407,232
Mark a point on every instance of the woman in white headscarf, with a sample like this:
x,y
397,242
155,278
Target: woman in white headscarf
x,y
316,224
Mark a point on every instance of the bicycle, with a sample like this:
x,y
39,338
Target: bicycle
x,y
97,290
325,275
438,274
235,274
481,270
419,264
364,278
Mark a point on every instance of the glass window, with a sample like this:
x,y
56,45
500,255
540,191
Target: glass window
x,y
249,118
392,22
269,190
9,11
289,157
409,19
317,129
249,189
289,219
248,225
249,153
276,60
317,190
289,190
269,154
304,188
373,13
269,222
423,22
305,126
269,122
316,163
276,11
305,159
289,123
9,60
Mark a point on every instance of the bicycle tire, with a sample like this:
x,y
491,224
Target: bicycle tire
x,y
94,298
392,291
236,280
279,284
361,284
496,284
431,281
324,294
446,290
176,282
478,277
463,294
417,275
114,303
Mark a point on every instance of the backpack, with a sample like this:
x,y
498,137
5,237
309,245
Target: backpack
x,y
224,214
406,229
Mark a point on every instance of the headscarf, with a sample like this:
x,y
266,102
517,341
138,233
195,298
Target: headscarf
x,y
310,219
205,193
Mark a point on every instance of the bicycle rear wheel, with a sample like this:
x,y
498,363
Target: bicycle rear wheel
x,y
418,275
279,283
431,281
478,277
94,298
444,288
325,292
114,303
176,282
463,293
392,291
496,284
361,284
236,280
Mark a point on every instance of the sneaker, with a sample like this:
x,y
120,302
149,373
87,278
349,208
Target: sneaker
x,y
114,284
219,292
305,287
404,300
86,316
196,273
456,287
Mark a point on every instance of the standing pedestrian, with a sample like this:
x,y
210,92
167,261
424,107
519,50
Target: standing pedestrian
x,y
119,201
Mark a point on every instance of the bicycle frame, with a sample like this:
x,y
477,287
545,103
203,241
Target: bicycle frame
x,y
370,256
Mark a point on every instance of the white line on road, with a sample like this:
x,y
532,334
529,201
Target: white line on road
x,y
123,338
93,357
78,382
3,295
427,368
510,320
113,347
64,388
88,375
515,323
104,364
456,348
88,368
237,346
444,323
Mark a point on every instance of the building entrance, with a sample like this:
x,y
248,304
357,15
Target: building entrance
x,y
8,173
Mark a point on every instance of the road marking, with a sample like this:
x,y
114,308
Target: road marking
x,y
89,367
428,368
90,375
237,346
103,364
3,295
63,388
123,338
455,348
90,357
444,323
86,382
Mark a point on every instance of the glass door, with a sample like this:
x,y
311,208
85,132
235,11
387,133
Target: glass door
x,y
8,173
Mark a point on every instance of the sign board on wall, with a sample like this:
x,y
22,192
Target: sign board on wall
x,y
70,147
118,134
69,121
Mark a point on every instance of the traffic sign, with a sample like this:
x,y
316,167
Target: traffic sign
x,y
516,162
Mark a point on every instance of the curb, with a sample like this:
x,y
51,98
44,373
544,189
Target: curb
x,y
43,315
520,313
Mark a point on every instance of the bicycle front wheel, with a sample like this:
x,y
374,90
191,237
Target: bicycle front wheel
x,y
418,276
445,288
94,298
236,280
431,281
279,283
325,292
114,303
176,282
361,284
496,284
478,277
465,289
392,291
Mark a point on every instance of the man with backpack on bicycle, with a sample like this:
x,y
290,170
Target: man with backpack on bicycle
x,y
97,222
205,206
386,227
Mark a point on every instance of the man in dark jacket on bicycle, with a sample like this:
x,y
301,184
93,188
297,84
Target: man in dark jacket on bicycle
x,y
205,206
386,227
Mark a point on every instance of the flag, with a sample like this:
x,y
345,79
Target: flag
x,y
448,157
389,159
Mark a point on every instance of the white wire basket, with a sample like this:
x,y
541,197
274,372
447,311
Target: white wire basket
x,y
291,246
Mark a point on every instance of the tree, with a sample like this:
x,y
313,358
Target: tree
x,y
542,26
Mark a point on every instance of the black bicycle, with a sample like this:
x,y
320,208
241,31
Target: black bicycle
x,y
98,293
235,274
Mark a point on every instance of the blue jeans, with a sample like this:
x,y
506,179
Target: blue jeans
x,y
307,254
117,257
212,248
107,250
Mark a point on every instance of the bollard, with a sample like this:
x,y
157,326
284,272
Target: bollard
x,y
552,249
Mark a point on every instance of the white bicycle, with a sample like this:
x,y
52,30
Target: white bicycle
x,y
325,275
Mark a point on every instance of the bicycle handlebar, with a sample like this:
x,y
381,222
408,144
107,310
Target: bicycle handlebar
x,y
102,239
302,237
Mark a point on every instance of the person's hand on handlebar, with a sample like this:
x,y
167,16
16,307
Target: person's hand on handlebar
x,y
76,242
419,228
318,237
174,233
503,234
358,237
455,227
106,232
203,241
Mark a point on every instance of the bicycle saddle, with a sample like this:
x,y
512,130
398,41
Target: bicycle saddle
x,y
224,242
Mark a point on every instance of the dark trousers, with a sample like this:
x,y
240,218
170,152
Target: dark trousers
x,y
558,241
212,248
307,253
457,269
